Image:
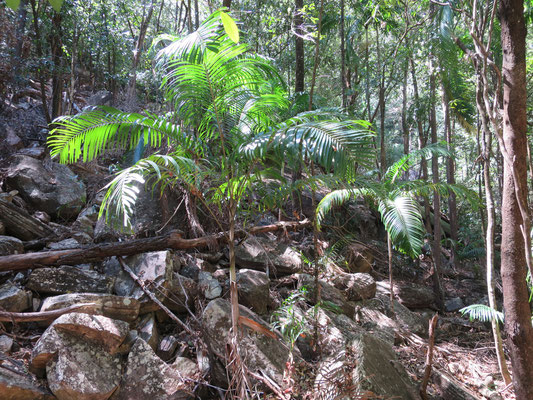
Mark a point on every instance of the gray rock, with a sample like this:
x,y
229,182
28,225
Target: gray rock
x,y
182,293
106,332
274,257
358,286
67,279
115,307
209,286
186,368
10,245
21,386
156,268
5,344
101,98
167,347
414,296
454,304
55,190
14,299
83,371
64,244
261,352
147,331
254,289
329,294
359,258
148,377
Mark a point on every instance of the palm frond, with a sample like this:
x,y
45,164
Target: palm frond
x,y
483,313
122,192
402,219
91,132
337,198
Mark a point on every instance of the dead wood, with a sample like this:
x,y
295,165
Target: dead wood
x,y
429,357
98,252
6,316
21,224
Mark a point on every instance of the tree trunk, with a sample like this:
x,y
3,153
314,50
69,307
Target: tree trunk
x,y
437,234
299,47
138,51
513,255
490,229
343,57
381,99
450,175
226,3
39,51
57,72
317,55
405,126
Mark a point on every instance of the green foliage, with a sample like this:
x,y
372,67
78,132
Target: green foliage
x,y
483,313
56,4
288,318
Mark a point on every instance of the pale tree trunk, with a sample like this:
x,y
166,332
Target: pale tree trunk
x,y
299,66
515,220
57,73
405,126
490,228
381,99
39,51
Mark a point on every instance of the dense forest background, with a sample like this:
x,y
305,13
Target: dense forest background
x,y
417,74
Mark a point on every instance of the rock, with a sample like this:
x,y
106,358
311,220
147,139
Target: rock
x,y
12,139
167,347
47,347
108,333
254,289
209,286
2,228
115,307
5,344
10,245
186,368
182,293
328,294
14,299
449,387
267,255
83,371
147,331
67,279
414,296
454,304
101,98
55,190
64,244
149,377
358,286
154,267
261,352
21,386
37,152
359,258
42,216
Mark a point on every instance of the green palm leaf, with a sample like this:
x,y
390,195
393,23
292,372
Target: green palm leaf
x,y
483,313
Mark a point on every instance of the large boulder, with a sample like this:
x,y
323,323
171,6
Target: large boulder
x,y
415,296
261,352
357,286
329,294
254,289
67,279
359,258
263,254
83,371
148,377
55,190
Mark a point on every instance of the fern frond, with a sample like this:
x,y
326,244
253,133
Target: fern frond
x,y
483,313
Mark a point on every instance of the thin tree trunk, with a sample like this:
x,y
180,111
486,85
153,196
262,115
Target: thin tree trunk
x,y
381,99
343,56
21,26
317,55
490,229
405,126
57,72
226,3
422,139
437,234
39,51
138,51
450,175
299,66
391,281
196,15
515,220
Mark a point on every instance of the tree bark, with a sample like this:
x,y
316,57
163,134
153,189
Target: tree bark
x,y
343,57
317,55
513,255
299,67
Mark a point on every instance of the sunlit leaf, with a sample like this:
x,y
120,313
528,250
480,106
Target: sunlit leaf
x,y
230,26
13,4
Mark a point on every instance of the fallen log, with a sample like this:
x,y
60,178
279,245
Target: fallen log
x,y
6,316
172,240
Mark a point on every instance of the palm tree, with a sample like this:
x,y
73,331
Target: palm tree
x,y
396,201
224,103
